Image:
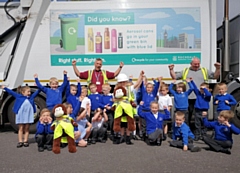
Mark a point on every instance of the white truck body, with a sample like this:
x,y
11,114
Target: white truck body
x,y
155,33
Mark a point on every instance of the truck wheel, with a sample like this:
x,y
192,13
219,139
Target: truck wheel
x,y
236,119
40,104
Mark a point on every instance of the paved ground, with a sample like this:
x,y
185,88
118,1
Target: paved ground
x,y
104,158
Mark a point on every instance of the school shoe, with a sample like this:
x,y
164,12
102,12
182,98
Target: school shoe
x,y
19,145
122,140
40,149
195,149
226,151
93,141
164,138
101,140
128,140
26,144
159,142
48,147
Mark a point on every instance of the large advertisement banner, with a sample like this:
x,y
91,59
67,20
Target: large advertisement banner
x,y
134,36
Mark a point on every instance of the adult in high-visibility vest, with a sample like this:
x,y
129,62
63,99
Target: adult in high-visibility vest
x,y
97,75
198,74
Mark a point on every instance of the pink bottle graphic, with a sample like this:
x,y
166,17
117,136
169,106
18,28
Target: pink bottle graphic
x,y
114,40
98,43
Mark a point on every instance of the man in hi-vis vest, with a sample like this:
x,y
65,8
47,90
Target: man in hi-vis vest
x,y
97,75
198,74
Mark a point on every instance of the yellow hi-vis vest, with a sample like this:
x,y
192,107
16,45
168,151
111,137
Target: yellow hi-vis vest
x,y
90,72
204,72
121,106
130,97
64,124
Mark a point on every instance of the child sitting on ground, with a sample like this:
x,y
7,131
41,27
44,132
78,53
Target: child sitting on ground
x,y
222,141
154,121
182,135
98,129
44,134
84,127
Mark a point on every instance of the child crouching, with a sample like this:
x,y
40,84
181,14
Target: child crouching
x,y
98,129
44,134
154,122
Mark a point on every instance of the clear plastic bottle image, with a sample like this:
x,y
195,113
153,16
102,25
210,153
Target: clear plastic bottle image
x,y
98,43
106,39
90,40
120,40
113,40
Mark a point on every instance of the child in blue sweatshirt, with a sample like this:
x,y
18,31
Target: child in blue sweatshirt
x,y
106,102
182,135
95,97
73,92
223,100
44,134
24,108
54,93
149,94
154,121
181,97
201,105
222,141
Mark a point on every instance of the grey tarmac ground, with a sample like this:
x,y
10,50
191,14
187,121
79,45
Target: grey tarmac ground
x,y
109,158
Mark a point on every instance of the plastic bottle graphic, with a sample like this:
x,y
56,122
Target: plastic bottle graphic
x,y
120,40
90,40
106,39
98,42
114,40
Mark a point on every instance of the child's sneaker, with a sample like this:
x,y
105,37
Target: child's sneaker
x,y
195,149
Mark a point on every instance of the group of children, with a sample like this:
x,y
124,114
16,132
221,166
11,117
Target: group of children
x,y
94,114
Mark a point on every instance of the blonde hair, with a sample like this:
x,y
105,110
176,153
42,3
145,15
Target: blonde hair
x,y
53,79
45,110
227,114
21,89
180,114
222,85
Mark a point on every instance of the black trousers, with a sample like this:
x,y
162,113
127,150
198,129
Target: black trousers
x,y
200,129
191,103
179,144
217,145
110,121
44,140
98,133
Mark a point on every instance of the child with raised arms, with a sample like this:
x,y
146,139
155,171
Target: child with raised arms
x,y
24,108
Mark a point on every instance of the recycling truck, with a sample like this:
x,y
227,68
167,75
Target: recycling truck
x,y
43,37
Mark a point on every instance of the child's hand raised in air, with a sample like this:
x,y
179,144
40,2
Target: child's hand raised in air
x,y
64,72
160,78
74,62
174,81
35,75
78,80
188,79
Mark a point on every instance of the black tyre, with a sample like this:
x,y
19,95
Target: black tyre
x,y
40,104
236,109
